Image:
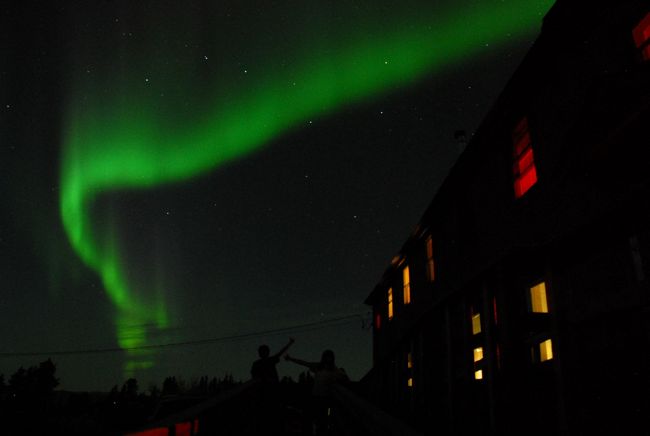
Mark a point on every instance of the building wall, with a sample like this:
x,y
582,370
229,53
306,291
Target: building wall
x,y
583,230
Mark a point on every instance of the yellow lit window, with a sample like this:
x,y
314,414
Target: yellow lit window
x,y
476,323
409,360
538,298
478,354
545,350
431,272
409,382
478,374
390,303
407,285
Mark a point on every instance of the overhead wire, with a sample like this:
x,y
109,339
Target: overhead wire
x,y
315,325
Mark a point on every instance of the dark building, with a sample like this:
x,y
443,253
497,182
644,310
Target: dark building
x,y
520,303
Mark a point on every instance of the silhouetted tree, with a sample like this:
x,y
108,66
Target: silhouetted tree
x,y
200,386
213,386
305,377
19,383
203,385
129,390
154,392
170,386
44,379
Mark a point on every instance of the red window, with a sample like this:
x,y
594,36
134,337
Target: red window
x,y
523,169
641,34
377,321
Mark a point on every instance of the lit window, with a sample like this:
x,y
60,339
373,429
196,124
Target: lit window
x,y
545,350
390,303
476,324
641,34
431,272
538,298
377,321
407,285
494,309
409,382
409,360
478,374
478,354
524,171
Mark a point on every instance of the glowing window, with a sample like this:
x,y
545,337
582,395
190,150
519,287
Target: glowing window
x,y
390,303
476,323
377,321
409,360
538,298
409,382
407,285
431,272
641,34
545,350
478,354
478,374
196,426
494,310
524,171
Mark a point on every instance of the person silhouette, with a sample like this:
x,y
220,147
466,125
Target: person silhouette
x,y
326,374
266,396
263,369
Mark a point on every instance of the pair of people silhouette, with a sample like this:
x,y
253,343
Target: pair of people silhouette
x,y
325,373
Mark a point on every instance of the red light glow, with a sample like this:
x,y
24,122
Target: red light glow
x,y
524,182
162,431
524,171
183,429
641,34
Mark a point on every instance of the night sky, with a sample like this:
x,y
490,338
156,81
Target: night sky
x,y
232,172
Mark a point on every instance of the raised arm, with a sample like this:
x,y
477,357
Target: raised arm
x,y
285,348
310,365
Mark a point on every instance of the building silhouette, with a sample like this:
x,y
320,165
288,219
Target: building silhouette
x,y
520,302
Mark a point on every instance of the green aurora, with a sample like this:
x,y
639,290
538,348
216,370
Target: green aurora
x,y
128,138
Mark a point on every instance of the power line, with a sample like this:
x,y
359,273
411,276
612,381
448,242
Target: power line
x,y
232,338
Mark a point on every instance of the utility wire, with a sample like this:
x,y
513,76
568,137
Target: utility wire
x,y
233,338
